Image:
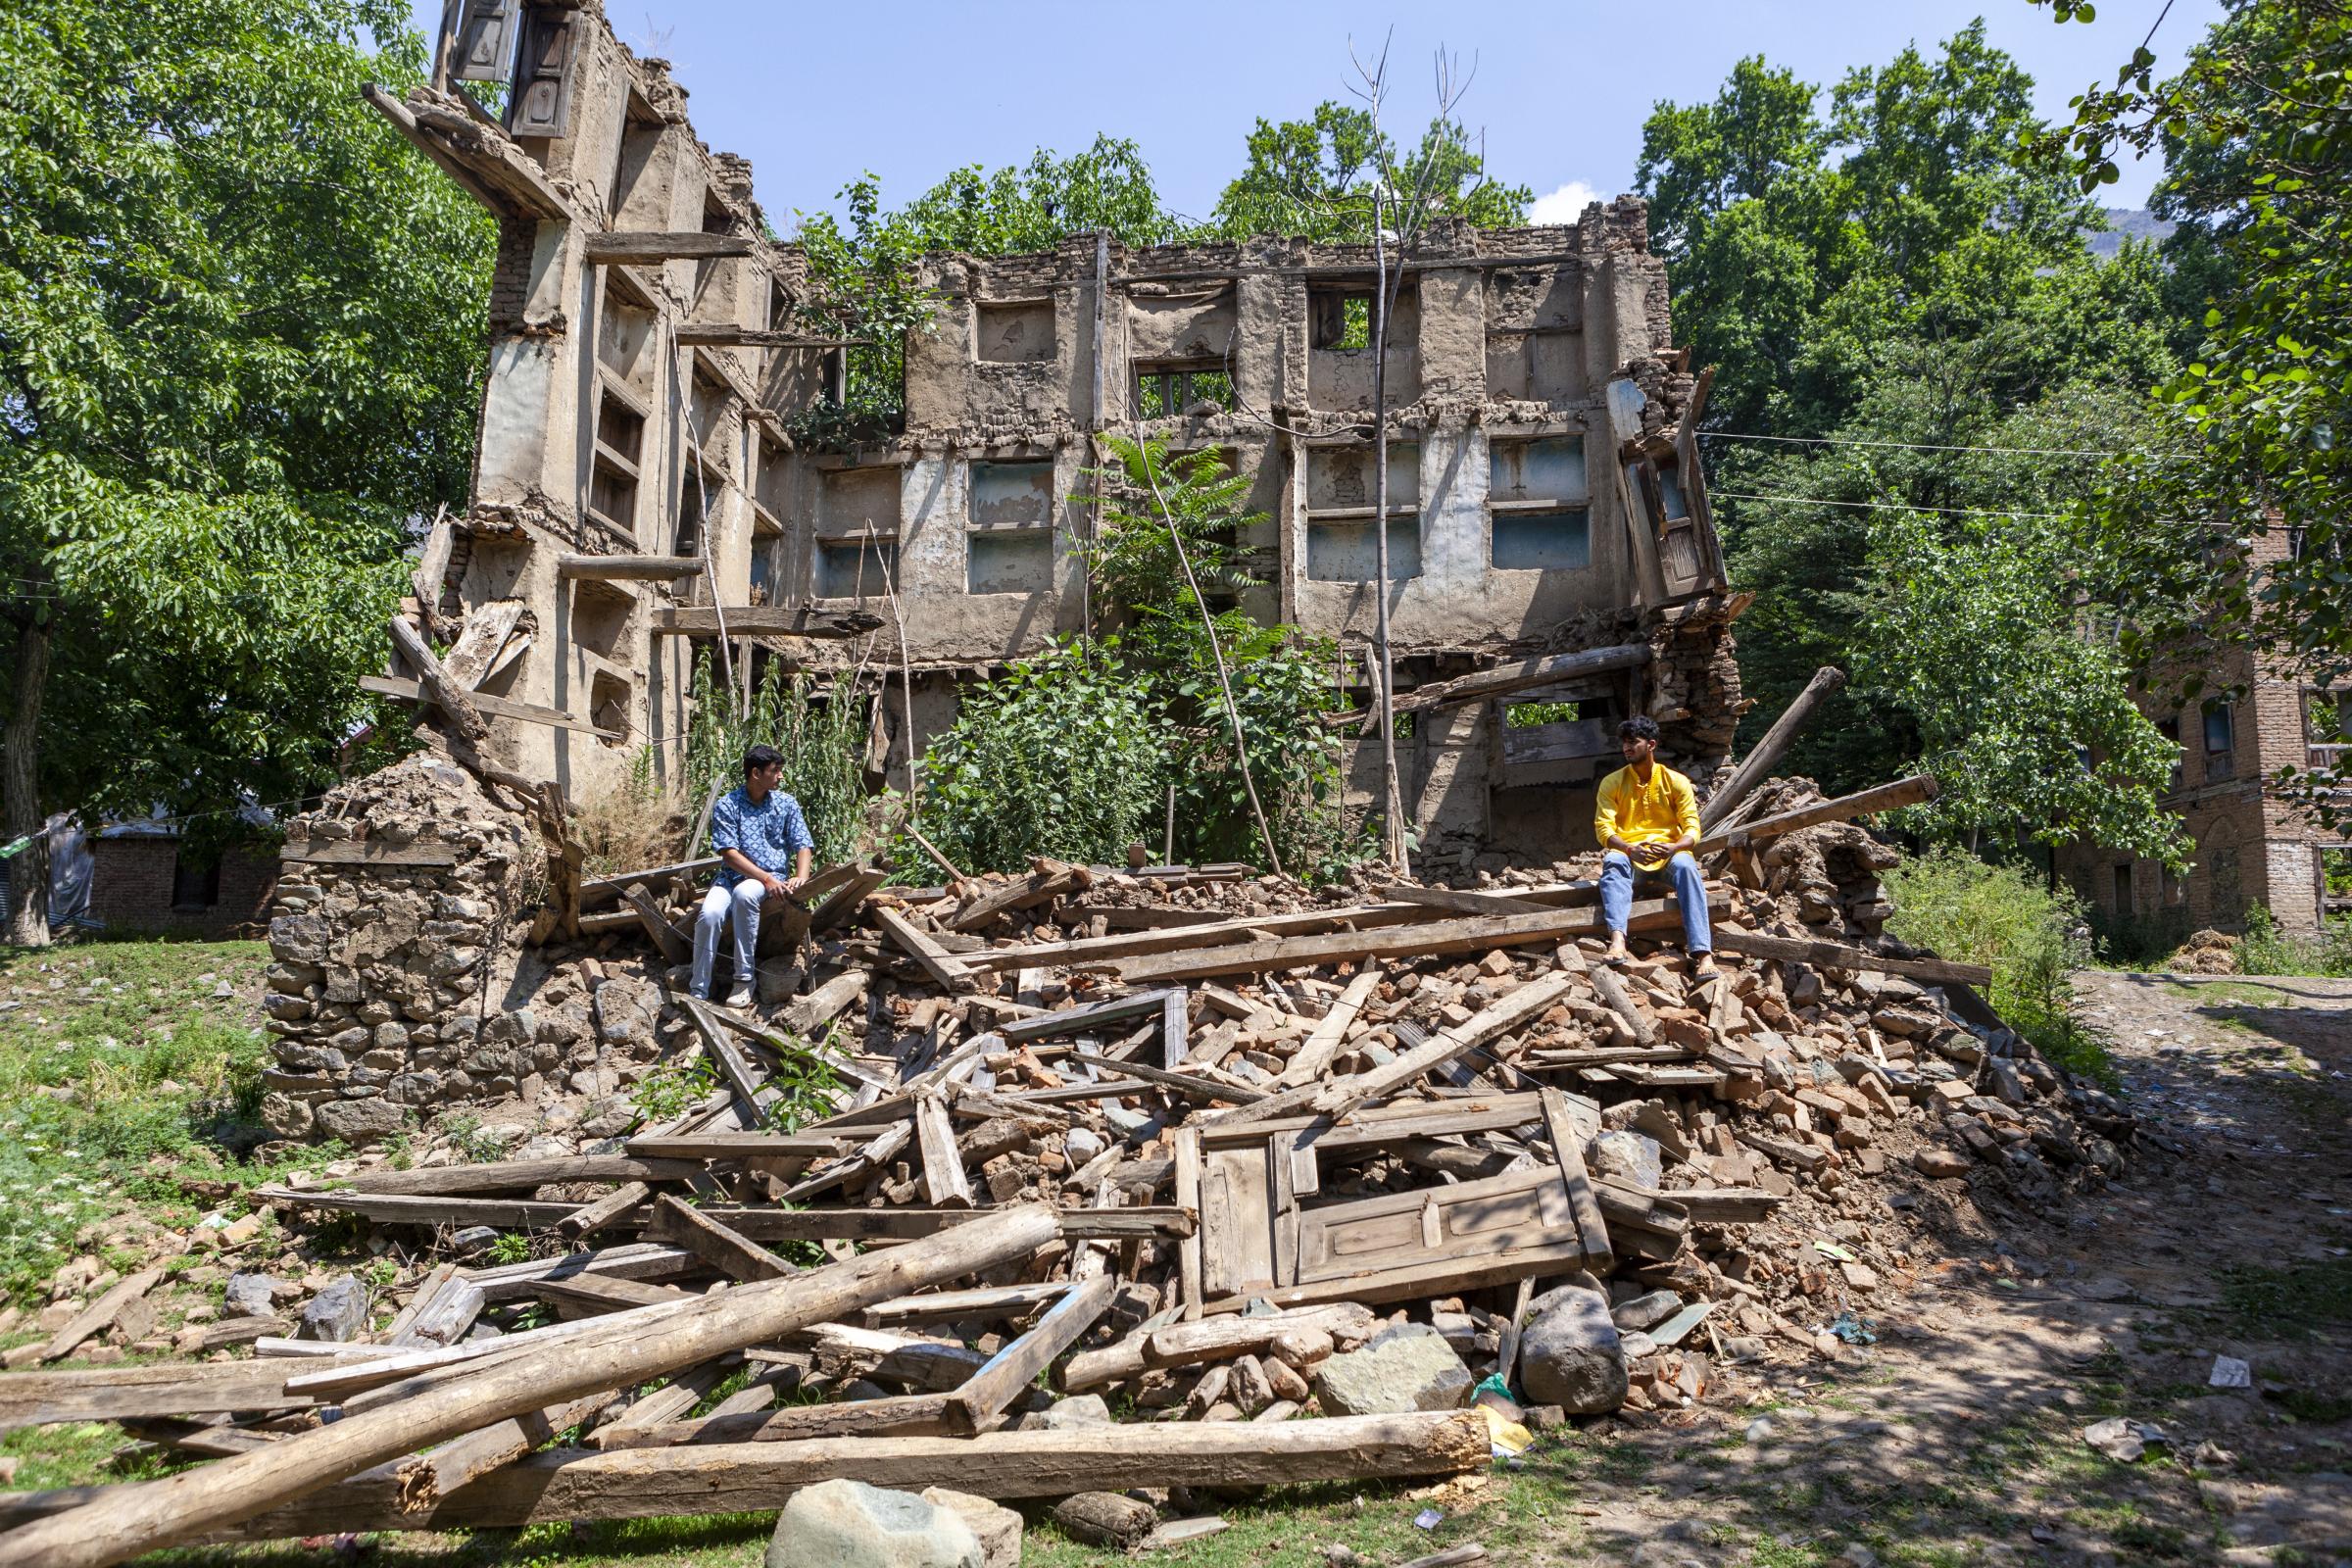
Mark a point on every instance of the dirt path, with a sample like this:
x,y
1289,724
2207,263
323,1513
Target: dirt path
x,y
1958,1439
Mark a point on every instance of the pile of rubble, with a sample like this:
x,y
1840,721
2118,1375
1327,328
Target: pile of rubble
x,y
1305,1186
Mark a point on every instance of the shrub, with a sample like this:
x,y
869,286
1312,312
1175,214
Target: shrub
x,y
631,824
1061,755
2031,936
2266,950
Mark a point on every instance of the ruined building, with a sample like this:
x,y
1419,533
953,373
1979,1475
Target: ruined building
x,y
647,479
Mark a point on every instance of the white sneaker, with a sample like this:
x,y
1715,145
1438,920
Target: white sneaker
x,y
741,996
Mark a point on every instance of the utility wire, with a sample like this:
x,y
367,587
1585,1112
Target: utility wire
x,y
1922,446
1952,512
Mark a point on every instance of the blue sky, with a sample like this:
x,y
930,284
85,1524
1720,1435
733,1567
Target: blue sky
x,y
816,94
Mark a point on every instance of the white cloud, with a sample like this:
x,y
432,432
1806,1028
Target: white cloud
x,y
1563,206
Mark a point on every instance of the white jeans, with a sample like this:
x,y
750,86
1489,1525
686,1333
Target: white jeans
x,y
743,898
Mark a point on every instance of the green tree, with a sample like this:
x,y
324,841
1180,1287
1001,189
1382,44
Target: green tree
x,y
240,336
2234,531
1161,517
1314,177
1920,364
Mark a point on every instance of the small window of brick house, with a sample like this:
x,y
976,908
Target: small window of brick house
x,y
194,888
2123,887
2220,743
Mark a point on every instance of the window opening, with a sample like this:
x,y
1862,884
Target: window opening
x,y
1166,391
1343,320
2122,888
194,888
1009,545
2220,743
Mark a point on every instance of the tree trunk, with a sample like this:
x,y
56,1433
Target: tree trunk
x,y
29,871
1392,797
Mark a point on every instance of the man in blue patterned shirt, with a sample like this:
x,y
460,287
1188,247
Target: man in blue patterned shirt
x,y
758,831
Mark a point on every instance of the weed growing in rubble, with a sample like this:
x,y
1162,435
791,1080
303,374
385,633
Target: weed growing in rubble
x,y
822,736
2030,935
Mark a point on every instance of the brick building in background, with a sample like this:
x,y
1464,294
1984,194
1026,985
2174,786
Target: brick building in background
x,y
2251,845
142,881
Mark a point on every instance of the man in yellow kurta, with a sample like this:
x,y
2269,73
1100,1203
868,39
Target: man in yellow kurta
x,y
1648,820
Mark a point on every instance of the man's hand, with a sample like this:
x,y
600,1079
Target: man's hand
x,y
792,884
776,886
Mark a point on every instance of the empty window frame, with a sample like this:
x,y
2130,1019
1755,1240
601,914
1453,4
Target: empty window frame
x,y
1009,545
857,567
2220,743
194,888
1168,388
1538,505
1340,319
1012,331
613,468
1341,545
2123,887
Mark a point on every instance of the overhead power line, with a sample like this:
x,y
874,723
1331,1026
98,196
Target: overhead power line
x,y
1924,446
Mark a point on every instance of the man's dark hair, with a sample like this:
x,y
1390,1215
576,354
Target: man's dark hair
x,y
760,757
1640,727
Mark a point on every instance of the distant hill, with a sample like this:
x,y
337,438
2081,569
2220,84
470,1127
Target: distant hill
x,y
2127,223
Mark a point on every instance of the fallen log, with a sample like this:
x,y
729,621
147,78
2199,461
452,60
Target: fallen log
x,y
1885,797
626,1349
1757,766
577,1484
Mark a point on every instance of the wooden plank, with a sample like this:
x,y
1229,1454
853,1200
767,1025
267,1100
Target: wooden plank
x,y
697,1148
673,947
943,967
1132,943
628,569
436,686
1466,902
1516,675
691,334
748,1085
597,1214
687,244
1314,1055
762,620
1016,1366
1182,1082
761,1222
1188,1197
496,706
945,1182
952,1307
1096,1015
599,1293
573,1485
520,1175
365,852
1416,940
724,1248
1835,956
1884,798
1757,766
162,1389
1050,879
486,631
1568,1150
633,1260
99,1316
1610,988
901,1415
1518,1007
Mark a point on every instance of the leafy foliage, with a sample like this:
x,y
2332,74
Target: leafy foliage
x,y
240,330
1060,755
2248,545
1315,179
1883,283
823,741
2031,936
1151,505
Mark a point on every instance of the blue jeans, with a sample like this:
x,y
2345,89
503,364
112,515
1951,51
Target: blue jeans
x,y
743,900
1689,891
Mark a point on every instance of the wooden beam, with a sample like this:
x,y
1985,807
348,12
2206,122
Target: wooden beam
x,y
628,569
477,167
1307,1063
435,684
1835,956
762,621
594,1215
365,852
707,335
1757,766
522,1175
945,1182
677,245
1885,797
985,1395
944,967
724,1249
410,691
1518,1007
1517,676
1398,942
1172,938
129,1521
580,1485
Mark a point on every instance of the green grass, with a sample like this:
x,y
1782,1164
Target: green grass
x,y
2243,993
165,1078
2298,1302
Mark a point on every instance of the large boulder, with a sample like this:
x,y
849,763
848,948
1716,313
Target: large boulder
x,y
1571,1354
1405,1367
998,1527
847,1524
336,1313
360,1121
